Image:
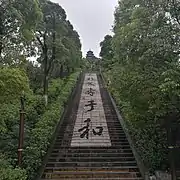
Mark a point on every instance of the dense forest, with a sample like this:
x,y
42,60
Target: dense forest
x,y
141,63
40,62
40,57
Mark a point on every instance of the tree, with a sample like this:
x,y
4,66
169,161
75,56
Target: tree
x,y
106,51
144,71
70,56
59,43
47,36
12,84
35,75
18,20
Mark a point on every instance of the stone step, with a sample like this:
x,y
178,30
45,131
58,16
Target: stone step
x,y
78,150
90,159
94,144
64,154
86,174
59,150
94,178
120,138
91,164
100,168
108,156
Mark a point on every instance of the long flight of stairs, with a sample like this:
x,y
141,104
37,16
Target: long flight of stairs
x,y
86,162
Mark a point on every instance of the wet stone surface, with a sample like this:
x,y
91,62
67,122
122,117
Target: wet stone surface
x,y
91,127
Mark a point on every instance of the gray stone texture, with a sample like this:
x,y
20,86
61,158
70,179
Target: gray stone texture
x,y
97,116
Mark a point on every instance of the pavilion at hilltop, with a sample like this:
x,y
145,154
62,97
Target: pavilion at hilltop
x,y
90,56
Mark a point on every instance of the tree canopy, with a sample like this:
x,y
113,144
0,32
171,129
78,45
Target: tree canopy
x,y
38,29
39,48
144,70
18,21
13,83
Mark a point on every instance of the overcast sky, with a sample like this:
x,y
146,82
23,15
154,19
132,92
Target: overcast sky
x,y
93,19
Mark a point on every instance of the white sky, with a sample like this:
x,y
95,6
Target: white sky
x,y
92,19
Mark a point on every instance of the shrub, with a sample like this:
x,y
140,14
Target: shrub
x,y
13,82
7,172
40,123
41,135
55,88
142,120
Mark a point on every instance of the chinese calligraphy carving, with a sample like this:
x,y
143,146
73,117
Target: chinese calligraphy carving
x,y
91,104
90,84
90,78
100,131
86,130
90,126
90,92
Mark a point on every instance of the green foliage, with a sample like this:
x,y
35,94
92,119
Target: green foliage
x,y
41,134
55,88
12,83
9,127
40,123
59,46
35,76
8,172
8,113
34,109
106,52
18,20
144,73
22,22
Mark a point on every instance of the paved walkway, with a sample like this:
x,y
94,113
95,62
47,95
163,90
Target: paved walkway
x,y
91,126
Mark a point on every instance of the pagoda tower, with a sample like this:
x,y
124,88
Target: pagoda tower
x,y
90,55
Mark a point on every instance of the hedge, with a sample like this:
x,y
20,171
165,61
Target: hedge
x,y
40,123
41,135
7,172
148,136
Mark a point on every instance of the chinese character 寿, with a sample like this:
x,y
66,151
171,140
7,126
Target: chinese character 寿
x,y
90,92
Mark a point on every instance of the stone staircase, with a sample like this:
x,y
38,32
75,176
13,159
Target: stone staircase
x,y
94,161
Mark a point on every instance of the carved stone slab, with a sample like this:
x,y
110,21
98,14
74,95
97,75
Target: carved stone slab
x,y
91,127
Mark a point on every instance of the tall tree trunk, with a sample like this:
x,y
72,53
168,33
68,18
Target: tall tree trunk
x,y
45,68
48,62
1,47
45,83
61,71
1,34
73,69
68,69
